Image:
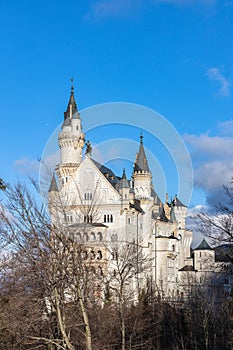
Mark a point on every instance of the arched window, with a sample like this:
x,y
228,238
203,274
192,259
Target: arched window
x,y
92,236
99,255
100,236
92,254
173,248
114,254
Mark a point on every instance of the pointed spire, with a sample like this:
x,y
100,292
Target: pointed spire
x,y
124,174
141,138
53,185
123,183
72,110
141,164
203,246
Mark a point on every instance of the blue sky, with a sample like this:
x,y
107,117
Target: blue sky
x,y
173,56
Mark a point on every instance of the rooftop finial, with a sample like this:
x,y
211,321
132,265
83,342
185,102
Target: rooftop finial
x,y
141,138
72,86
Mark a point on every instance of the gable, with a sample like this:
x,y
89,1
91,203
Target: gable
x,y
88,183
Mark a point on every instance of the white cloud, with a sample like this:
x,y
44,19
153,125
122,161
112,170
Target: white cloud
x,y
110,8
26,166
213,175
212,164
210,146
214,74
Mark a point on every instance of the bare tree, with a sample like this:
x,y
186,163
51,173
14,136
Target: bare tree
x,y
127,270
2,185
218,226
54,268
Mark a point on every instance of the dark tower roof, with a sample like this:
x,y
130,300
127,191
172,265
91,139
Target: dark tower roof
x,y
141,164
71,108
53,185
177,202
123,183
203,246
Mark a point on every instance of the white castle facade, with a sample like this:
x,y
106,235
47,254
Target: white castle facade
x,y
101,208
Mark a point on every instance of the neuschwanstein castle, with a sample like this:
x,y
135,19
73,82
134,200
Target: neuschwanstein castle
x,y
101,207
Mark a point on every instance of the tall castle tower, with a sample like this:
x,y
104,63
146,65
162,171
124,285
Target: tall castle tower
x,y
71,141
141,174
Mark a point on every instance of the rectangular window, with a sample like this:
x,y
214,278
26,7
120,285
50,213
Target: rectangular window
x,y
108,218
68,218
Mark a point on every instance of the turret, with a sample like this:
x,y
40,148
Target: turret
x,y
71,138
124,188
203,256
53,197
71,141
141,174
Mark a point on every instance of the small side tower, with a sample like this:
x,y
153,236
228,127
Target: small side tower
x,y
141,174
53,199
124,189
71,141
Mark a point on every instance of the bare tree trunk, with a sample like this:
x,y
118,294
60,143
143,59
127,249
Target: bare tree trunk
x,y
85,319
60,322
122,326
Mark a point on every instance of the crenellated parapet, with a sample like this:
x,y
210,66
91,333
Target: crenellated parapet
x,y
68,140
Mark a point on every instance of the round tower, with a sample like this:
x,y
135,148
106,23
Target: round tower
x,y
71,141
